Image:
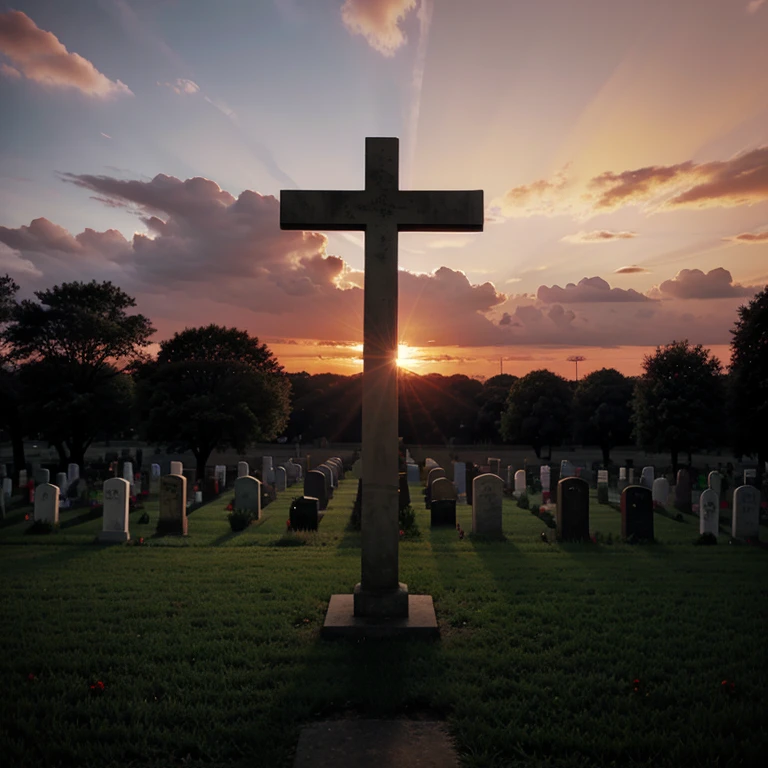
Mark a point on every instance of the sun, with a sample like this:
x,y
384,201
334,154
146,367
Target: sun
x,y
405,355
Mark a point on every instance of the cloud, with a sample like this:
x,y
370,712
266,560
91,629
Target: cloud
x,y
695,284
589,290
741,180
11,72
754,6
208,254
181,86
632,269
378,21
749,237
598,236
40,57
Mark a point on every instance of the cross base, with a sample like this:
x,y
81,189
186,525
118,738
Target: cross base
x,y
381,603
341,621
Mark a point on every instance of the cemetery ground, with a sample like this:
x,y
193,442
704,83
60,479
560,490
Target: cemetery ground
x,y
209,652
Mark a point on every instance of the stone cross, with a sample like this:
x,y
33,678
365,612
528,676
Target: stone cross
x,y
381,210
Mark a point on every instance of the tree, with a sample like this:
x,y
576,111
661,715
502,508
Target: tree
x,y
602,410
10,393
538,411
748,388
678,404
212,388
491,403
74,345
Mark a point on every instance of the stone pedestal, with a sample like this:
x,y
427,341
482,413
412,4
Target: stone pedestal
x,y
341,621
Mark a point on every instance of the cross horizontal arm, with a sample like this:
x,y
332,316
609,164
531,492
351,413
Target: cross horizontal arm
x,y
418,211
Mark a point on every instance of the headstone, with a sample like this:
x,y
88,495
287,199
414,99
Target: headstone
x,y
267,470
745,523
709,512
7,488
220,473
622,473
315,486
471,474
443,488
177,468
495,466
42,476
631,475
683,491
660,492
173,505
460,477
602,477
545,476
326,470
509,479
412,471
637,513
117,491
404,497
573,509
487,496
61,481
155,471
304,514
248,495
281,479
434,474
750,476
46,503
715,482
520,482
243,470
647,477
73,472
567,469
430,464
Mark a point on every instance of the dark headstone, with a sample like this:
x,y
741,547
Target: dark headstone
x,y
637,513
573,509
315,484
305,514
442,513
683,491
210,489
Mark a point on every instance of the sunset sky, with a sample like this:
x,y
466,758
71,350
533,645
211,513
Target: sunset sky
x,y
622,147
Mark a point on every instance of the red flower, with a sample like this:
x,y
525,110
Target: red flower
x,y
636,685
402,532
26,517
97,688
31,677
141,540
287,523
229,507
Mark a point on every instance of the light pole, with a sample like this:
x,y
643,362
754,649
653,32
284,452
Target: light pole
x,y
576,359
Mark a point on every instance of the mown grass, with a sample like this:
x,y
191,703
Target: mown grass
x,y
210,653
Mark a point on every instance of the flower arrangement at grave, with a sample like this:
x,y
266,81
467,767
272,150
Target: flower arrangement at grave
x,y
407,523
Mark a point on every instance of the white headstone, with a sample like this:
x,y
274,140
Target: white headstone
x,y
47,503
73,473
117,491
460,477
567,469
177,468
243,470
647,477
602,477
745,523
545,475
413,473
487,496
709,512
281,479
749,476
622,473
220,473
715,482
520,482
128,472
660,491
248,495
430,464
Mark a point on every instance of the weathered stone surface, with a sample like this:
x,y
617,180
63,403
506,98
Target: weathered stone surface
x,y
117,491
46,504
520,482
42,476
660,491
173,505
243,470
281,479
487,496
248,495
637,513
177,468
715,482
709,512
745,522
443,488
647,477
573,509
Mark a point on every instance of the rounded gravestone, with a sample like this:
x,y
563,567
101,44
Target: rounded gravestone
x,y
487,497
173,505
443,488
660,491
745,523
709,512
715,482
248,495
316,486
116,492
520,482
46,504
637,513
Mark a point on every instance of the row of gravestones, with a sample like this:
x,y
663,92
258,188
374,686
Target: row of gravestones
x,y
486,498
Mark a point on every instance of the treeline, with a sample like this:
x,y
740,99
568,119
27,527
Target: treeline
x,y
74,368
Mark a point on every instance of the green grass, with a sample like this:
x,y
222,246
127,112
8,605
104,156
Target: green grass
x,y
210,653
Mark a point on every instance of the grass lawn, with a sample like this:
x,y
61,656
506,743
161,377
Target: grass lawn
x,y
209,650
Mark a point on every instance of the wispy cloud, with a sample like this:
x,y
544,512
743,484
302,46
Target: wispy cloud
x,y
39,56
749,237
632,269
598,236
